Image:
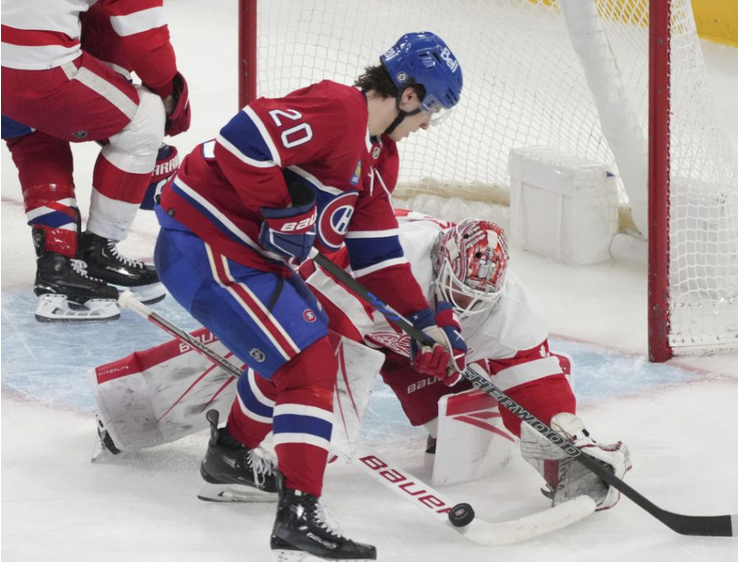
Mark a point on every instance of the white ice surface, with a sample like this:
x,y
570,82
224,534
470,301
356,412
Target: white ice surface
x,y
56,505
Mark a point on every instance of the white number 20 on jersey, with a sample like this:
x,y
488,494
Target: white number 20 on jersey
x,y
294,136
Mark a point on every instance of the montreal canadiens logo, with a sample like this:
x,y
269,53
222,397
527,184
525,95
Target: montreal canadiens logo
x,y
335,218
308,315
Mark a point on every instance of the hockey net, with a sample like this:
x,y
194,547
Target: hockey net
x,y
571,74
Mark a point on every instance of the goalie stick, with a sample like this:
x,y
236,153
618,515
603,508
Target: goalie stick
x,y
419,494
696,525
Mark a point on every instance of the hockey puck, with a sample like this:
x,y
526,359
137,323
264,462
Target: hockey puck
x,y
461,515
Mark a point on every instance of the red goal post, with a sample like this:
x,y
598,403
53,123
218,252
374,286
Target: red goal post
x,y
618,82
659,320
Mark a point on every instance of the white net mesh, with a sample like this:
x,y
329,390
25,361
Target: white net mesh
x,y
704,202
525,85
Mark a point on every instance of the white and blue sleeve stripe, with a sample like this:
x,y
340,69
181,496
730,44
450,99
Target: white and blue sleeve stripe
x,y
373,253
246,137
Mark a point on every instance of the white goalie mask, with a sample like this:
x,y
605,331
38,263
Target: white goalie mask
x,y
469,265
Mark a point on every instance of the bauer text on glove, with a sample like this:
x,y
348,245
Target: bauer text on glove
x,y
290,232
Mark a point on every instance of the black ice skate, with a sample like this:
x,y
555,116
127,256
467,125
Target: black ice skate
x,y
105,262
233,472
66,293
304,528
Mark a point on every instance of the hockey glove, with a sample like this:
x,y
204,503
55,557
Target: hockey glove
x,y
290,232
167,162
566,478
447,358
178,107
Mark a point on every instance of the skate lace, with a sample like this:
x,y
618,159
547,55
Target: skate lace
x,y
113,249
260,465
325,521
80,268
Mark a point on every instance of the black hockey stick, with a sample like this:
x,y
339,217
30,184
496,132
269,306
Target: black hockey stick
x,y
697,525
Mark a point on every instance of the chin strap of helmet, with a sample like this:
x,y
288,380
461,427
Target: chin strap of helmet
x,y
401,113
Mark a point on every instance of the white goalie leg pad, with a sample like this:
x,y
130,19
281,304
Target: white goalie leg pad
x,y
57,308
567,478
472,441
358,367
161,394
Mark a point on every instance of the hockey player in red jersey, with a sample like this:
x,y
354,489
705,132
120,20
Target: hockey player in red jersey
x,y
66,78
466,265
283,176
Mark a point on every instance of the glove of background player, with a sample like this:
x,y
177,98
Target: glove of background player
x,y
449,353
290,232
167,162
178,107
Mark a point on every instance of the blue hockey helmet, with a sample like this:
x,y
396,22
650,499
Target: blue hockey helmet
x,y
423,58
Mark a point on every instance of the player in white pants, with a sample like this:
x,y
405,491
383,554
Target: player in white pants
x,y
65,73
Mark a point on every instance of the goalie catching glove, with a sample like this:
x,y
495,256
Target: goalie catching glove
x,y
446,360
290,232
567,478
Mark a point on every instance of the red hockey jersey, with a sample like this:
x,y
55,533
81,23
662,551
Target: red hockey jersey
x,y
319,133
44,34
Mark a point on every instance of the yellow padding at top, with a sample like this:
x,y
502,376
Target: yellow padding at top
x,y
717,20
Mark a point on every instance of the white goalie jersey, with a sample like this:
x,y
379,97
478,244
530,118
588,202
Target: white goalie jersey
x,y
514,328
508,342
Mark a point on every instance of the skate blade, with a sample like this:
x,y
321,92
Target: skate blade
x,y
290,556
57,308
147,294
302,556
294,556
235,493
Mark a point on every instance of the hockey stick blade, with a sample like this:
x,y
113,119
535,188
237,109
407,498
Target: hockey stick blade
x,y
695,525
529,527
434,505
